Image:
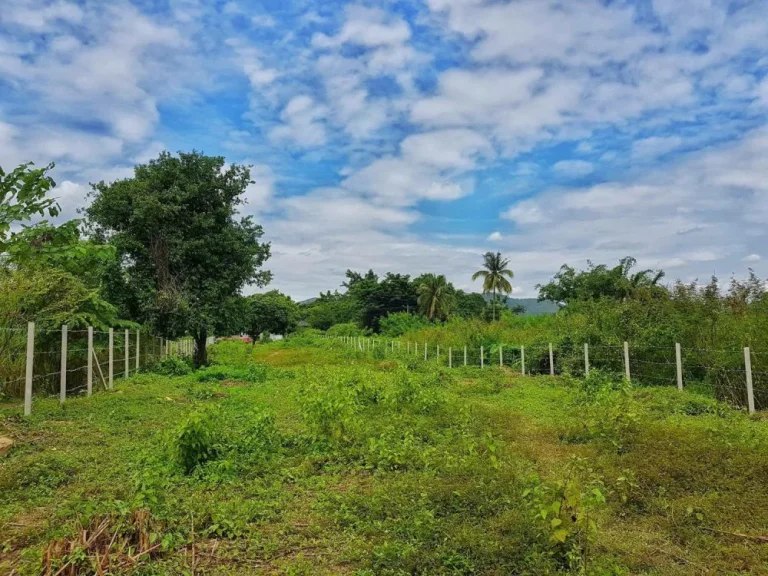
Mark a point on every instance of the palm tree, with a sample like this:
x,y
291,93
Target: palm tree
x,y
435,297
494,276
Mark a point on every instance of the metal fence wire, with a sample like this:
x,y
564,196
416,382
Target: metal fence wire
x,y
736,376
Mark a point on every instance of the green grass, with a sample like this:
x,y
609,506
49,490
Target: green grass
x,y
310,459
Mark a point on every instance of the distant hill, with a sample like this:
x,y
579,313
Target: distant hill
x,y
532,306
307,301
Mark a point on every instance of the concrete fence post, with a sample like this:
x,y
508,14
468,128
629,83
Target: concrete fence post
x,y
89,385
63,366
551,361
748,370
138,350
626,362
111,370
30,370
679,362
450,358
501,356
127,355
482,360
465,355
425,350
586,359
522,359
437,355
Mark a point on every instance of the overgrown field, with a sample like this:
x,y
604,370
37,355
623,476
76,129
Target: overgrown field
x,y
307,457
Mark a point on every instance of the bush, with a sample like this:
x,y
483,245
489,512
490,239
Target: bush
x,y
198,439
346,329
399,323
173,366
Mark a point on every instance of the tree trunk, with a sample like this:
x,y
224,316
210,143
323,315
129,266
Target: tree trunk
x,y
201,353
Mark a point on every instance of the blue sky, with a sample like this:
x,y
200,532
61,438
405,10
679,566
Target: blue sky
x,y
413,136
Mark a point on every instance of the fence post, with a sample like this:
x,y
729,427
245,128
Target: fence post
x,y
127,346
438,352
138,350
408,347
626,361
450,358
30,368
586,359
90,361
522,359
482,360
425,350
551,361
750,392
465,355
63,366
679,362
501,355
111,358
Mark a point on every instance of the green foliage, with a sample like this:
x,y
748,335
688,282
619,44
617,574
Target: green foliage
x,y
347,329
597,282
270,313
399,323
252,373
183,252
23,194
198,439
436,298
172,366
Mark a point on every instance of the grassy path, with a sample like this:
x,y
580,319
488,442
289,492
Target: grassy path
x,y
339,463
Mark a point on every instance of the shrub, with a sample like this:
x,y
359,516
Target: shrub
x,y
173,366
198,439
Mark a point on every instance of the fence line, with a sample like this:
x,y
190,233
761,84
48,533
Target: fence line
x,y
674,366
137,354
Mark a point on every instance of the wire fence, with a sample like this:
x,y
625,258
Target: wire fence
x,y
738,376
64,362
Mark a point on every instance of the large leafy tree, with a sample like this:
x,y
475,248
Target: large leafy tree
x,y
436,297
271,312
376,298
184,249
600,281
496,275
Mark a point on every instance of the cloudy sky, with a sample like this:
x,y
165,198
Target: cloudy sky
x,y
414,136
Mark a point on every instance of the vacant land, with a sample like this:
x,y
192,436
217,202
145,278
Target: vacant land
x,y
315,459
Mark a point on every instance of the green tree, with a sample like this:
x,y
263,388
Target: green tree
x,y
619,282
375,299
495,276
184,251
23,194
435,297
271,312
470,305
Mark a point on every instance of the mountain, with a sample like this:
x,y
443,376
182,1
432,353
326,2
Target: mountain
x,y
532,306
307,301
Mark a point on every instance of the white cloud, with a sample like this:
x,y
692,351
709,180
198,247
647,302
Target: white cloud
x,y
301,123
250,59
263,21
751,258
574,168
370,27
650,148
259,196
495,237
446,149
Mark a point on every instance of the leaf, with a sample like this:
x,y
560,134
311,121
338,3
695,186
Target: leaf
x,y
560,535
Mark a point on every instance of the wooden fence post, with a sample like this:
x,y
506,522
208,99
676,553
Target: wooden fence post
x,y
679,362
63,366
586,359
626,362
90,361
111,358
750,392
127,355
30,370
551,361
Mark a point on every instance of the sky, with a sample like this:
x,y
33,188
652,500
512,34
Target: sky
x,y
414,136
